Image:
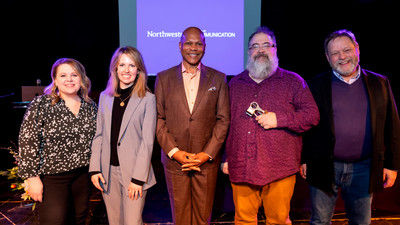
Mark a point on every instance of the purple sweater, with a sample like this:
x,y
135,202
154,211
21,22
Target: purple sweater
x,y
258,156
352,121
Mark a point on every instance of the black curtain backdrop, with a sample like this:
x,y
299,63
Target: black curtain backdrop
x,y
36,33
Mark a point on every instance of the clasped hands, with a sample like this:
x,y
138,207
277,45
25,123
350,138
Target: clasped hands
x,y
190,161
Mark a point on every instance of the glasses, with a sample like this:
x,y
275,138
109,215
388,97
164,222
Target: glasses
x,y
266,45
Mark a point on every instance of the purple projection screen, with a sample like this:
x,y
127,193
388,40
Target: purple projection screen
x,y
160,24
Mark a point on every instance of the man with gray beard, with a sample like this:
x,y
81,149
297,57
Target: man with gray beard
x,y
261,69
264,144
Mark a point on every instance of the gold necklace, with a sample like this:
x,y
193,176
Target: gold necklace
x,y
122,104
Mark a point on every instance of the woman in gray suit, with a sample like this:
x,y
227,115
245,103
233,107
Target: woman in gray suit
x,y
120,163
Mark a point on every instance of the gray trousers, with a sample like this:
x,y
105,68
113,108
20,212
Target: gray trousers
x,y
121,210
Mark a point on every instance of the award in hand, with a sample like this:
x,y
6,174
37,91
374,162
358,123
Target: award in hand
x,y
255,110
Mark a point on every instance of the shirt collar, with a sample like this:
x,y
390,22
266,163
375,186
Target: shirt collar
x,y
352,80
184,69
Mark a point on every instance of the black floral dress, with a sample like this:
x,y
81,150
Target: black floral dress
x,y
53,140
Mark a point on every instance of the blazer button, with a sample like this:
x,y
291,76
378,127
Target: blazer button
x,y
190,119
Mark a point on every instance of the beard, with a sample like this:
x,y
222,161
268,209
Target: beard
x,y
261,66
354,61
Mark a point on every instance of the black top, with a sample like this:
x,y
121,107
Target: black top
x,y
53,140
116,120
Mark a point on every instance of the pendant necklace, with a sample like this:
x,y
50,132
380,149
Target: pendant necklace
x,y
122,104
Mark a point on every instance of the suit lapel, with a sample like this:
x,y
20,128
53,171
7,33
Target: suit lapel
x,y
181,87
203,85
327,99
371,89
108,106
130,109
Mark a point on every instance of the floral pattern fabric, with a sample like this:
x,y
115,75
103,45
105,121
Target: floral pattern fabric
x,y
53,140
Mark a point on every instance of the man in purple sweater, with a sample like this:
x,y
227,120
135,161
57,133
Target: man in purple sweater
x,y
356,145
263,149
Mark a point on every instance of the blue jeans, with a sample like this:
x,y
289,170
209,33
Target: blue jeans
x,y
353,180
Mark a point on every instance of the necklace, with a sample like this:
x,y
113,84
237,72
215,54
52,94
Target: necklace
x,y
122,104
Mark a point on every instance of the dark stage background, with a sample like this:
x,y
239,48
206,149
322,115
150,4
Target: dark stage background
x,y
36,33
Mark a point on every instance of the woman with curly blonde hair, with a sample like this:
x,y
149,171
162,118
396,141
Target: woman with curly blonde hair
x,y
54,145
85,83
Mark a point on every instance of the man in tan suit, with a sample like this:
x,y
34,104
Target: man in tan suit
x,y
193,119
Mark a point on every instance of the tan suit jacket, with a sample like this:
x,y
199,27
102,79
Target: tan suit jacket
x,y
203,130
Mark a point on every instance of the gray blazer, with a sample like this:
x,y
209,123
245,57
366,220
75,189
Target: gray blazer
x,y
135,142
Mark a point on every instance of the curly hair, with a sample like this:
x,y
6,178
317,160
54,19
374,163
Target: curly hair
x,y
84,91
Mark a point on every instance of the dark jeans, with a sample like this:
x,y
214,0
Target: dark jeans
x,y
353,180
65,197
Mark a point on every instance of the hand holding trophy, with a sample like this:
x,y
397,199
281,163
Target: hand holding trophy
x,y
255,110
266,119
